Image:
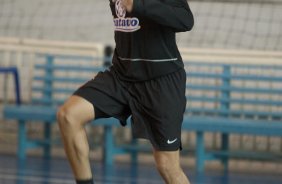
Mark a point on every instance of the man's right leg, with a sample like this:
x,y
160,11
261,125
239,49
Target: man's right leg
x,y
72,117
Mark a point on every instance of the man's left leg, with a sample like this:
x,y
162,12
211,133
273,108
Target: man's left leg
x,y
168,165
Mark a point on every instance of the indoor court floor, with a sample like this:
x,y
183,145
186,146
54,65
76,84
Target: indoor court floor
x,y
57,171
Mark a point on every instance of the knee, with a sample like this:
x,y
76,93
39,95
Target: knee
x,y
167,163
163,164
65,117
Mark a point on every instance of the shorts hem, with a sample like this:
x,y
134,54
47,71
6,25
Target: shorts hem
x,y
157,147
80,93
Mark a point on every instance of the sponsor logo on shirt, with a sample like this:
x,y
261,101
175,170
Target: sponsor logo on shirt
x,y
123,23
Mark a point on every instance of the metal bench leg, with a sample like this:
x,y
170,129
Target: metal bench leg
x,y
133,154
47,139
200,152
22,140
20,171
225,147
108,146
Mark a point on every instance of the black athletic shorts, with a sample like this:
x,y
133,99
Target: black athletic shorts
x,y
156,106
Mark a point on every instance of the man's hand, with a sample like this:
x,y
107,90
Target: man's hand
x,y
128,4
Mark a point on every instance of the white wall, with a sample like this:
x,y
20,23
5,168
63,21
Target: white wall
x,y
217,25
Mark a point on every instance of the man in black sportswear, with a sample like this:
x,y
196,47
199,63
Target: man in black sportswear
x,y
145,82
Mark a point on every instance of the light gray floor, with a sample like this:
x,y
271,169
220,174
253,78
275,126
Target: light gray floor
x,y
57,171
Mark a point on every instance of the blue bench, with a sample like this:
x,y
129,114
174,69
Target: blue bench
x,y
56,77
232,99
221,98
14,71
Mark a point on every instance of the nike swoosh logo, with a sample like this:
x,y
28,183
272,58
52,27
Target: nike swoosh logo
x,y
170,142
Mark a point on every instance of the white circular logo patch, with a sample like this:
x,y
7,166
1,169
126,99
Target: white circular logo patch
x,y
120,9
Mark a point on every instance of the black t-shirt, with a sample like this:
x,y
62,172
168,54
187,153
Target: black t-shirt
x,y
145,38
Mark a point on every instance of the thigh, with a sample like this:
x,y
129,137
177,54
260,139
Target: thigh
x,y
157,111
167,157
78,109
107,96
